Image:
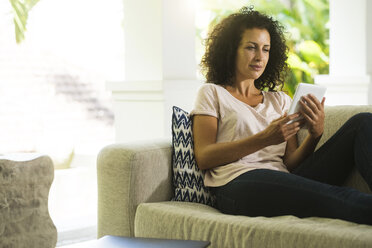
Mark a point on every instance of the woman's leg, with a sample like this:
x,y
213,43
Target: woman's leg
x,y
350,146
270,193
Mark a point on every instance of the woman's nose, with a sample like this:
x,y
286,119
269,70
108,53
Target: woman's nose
x,y
259,55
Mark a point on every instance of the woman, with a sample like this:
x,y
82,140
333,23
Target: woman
x,y
245,142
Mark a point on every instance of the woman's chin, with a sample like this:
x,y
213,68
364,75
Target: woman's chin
x,y
255,76
251,76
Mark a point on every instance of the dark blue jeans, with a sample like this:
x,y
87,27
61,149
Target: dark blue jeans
x,y
314,187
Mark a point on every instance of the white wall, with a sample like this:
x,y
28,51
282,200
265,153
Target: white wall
x,y
348,82
160,68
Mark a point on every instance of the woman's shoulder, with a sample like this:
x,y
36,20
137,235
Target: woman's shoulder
x,y
210,89
207,100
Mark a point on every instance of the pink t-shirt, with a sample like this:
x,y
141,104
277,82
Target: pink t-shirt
x,y
238,120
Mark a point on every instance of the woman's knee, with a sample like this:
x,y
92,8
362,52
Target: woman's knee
x,y
362,118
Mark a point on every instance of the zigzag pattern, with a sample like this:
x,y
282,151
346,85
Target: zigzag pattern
x,y
183,139
184,158
188,196
188,180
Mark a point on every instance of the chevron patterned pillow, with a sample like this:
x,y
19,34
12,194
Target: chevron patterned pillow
x,y
187,178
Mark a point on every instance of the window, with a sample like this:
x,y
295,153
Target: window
x,y
53,98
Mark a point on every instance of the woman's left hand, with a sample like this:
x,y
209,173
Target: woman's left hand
x,y
313,112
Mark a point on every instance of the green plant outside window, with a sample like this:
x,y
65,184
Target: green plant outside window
x,y
21,8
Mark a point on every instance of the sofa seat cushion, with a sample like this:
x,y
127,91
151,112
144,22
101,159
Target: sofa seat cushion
x,y
185,220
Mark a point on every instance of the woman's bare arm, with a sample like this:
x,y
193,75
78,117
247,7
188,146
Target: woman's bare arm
x,y
294,155
209,153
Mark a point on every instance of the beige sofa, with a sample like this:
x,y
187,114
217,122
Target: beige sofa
x,y
135,188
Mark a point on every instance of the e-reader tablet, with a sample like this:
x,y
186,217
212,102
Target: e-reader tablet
x,y
304,89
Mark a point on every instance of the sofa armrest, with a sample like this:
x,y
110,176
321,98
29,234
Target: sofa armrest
x,y
127,175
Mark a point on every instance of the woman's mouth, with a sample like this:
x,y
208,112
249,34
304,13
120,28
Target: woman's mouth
x,y
256,67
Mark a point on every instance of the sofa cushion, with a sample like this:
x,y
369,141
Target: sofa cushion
x,y
183,220
188,180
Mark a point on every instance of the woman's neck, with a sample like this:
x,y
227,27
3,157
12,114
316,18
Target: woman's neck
x,y
244,88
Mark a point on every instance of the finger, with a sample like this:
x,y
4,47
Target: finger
x,y
293,125
281,117
289,118
295,115
315,101
305,109
294,131
311,103
285,118
308,119
323,100
302,122
291,133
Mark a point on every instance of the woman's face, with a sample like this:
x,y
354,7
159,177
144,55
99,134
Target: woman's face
x,y
253,54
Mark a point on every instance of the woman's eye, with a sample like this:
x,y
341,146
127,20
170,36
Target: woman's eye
x,y
250,48
267,50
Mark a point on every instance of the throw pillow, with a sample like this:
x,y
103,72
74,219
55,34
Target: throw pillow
x,y
188,179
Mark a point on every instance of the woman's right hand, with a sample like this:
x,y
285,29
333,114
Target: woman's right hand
x,y
280,130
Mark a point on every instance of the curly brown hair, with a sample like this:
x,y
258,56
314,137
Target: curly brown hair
x,y
219,60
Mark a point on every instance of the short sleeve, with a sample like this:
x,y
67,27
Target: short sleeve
x,y
206,102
